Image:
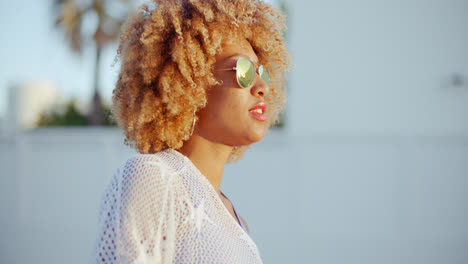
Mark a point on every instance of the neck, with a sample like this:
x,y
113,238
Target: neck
x,y
209,157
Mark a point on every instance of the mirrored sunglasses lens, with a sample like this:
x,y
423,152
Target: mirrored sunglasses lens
x,y
264,74
245,72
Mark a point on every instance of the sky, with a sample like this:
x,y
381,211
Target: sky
x,y
34,50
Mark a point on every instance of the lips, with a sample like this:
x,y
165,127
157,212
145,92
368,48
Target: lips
x,y
258,111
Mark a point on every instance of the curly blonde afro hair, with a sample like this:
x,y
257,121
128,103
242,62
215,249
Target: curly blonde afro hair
x,y
167,54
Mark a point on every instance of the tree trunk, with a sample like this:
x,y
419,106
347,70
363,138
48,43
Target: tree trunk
x,y
96,116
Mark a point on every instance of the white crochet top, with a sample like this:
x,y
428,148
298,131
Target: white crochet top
x,y
159,208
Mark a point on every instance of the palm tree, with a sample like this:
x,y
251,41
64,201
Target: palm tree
x,y
110,14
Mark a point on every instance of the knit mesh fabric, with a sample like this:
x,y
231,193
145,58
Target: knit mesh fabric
x,y
159,208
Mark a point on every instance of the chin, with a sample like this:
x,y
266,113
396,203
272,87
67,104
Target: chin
x,y
256,136
247,136
246,139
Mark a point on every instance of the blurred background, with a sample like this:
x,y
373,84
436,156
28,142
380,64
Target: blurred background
x,y
370,163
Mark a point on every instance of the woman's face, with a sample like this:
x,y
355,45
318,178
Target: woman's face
x,y
227,117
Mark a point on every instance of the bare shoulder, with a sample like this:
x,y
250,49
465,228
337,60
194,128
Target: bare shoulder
x,y
245,224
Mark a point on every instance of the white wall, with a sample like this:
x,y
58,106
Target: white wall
x,y
52,182
315,199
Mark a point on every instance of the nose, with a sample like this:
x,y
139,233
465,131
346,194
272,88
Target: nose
x,y
260,88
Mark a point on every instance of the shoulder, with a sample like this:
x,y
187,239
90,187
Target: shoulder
x,y
151,172
149,186
168,157
159,163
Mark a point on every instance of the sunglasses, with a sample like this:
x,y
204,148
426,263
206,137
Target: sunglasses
x,y
246,72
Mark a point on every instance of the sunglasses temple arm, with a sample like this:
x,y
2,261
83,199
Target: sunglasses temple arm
x,y
229,69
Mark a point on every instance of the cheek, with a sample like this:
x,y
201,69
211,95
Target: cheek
x,y
225,107
227,79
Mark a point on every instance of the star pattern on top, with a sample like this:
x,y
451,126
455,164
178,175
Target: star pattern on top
x,y
197,215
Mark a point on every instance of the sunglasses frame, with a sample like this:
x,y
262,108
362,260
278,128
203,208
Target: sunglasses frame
x,y
257,70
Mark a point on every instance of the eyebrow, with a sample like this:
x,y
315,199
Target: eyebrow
x,y
243,56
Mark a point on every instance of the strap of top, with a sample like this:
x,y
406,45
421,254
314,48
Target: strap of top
x,y
238,220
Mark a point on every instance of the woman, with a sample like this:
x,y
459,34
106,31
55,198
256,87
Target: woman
x,y
200,81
